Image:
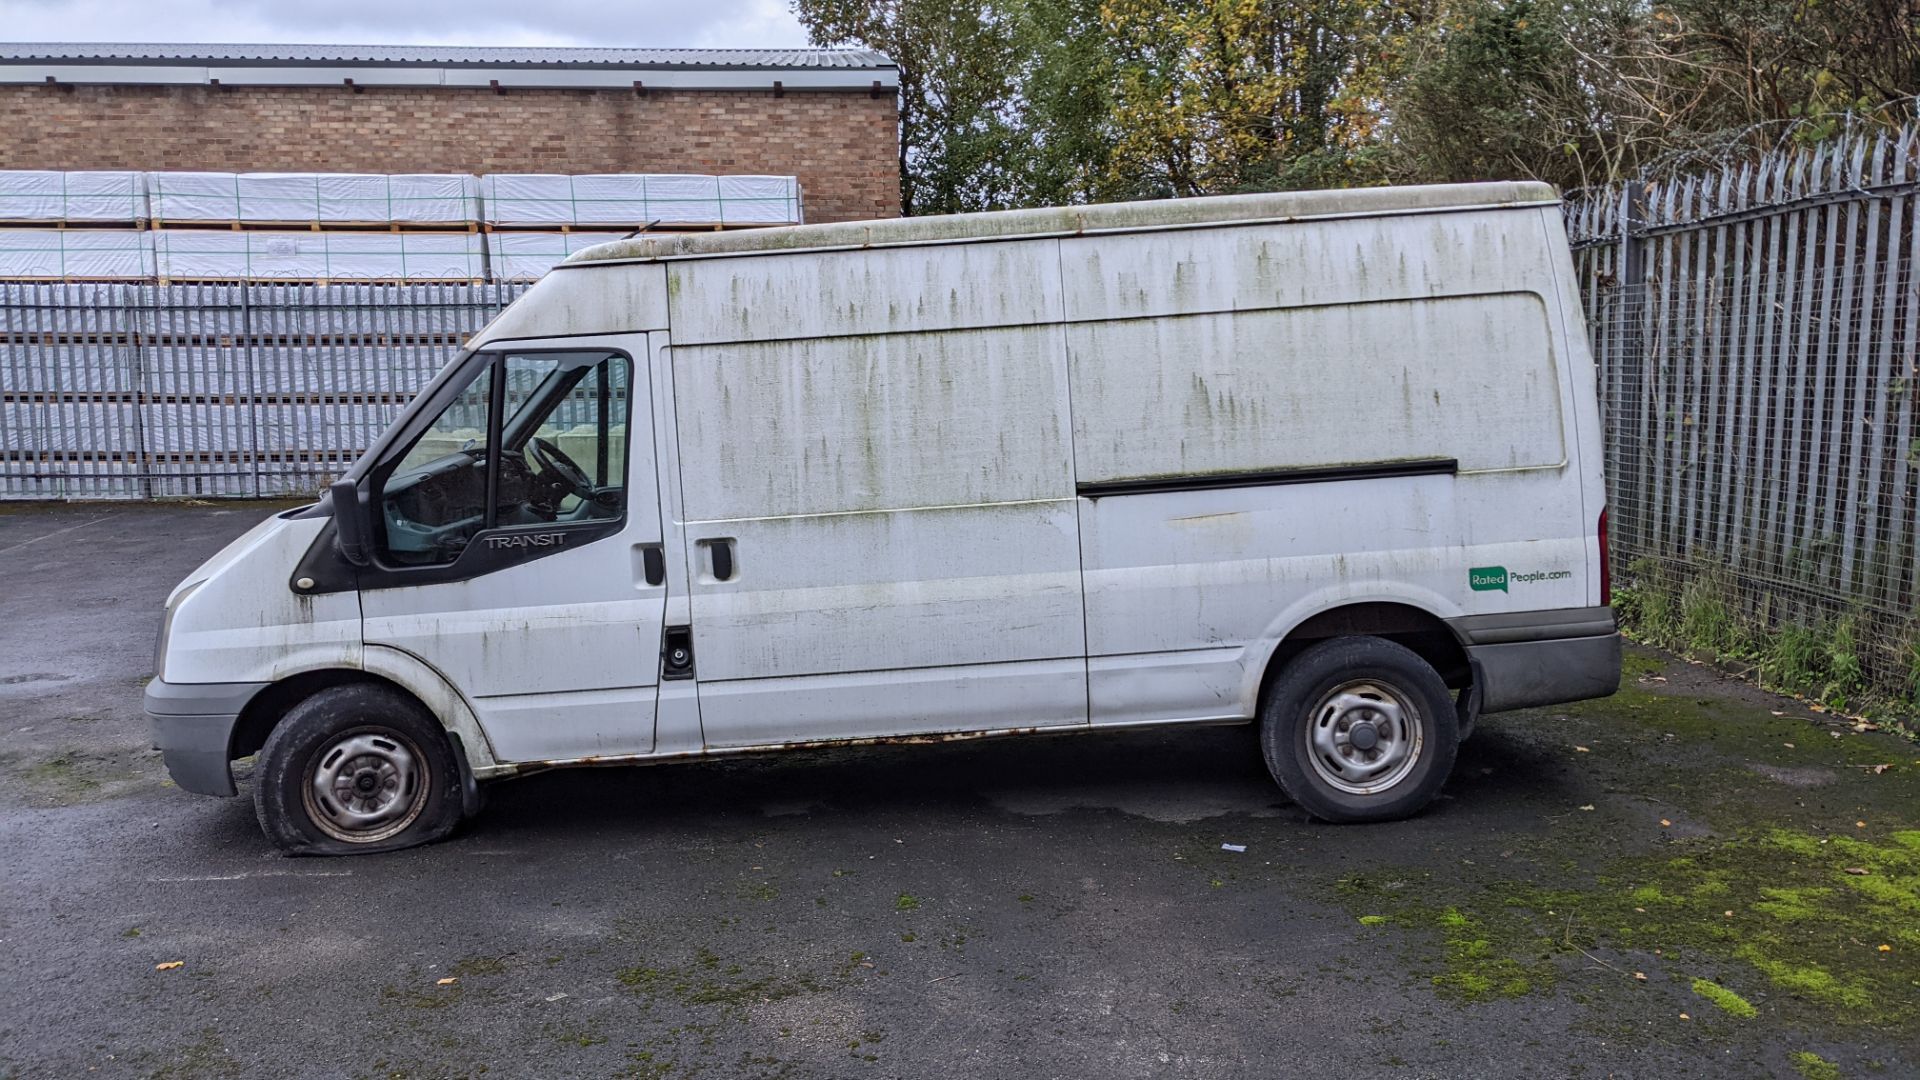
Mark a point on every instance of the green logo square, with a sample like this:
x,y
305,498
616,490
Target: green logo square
x,y
1488,578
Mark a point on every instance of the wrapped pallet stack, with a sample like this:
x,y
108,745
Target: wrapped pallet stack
x,y
73,226
535,220
313,199
357,227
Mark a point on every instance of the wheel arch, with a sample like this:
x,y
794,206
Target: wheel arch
x,y
383,667
1396,619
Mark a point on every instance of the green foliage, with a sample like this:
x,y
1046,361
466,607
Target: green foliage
x,y
1706,617
1699,610
1036,102
1820,661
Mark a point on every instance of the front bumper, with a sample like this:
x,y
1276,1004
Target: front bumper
x,y
1527,659
193,730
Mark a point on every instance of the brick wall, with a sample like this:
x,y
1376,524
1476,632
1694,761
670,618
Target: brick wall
x,y
841,145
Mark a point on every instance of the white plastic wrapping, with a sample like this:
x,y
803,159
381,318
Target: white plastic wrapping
x,y
72,196
759,200
526,256
75,254
318,256
636,199
322,197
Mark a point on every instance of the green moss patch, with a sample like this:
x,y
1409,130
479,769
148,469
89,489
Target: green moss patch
x,y
1477,958
1810,900
1813,1066
1728,1001
730,987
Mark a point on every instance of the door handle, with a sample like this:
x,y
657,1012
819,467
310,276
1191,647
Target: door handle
x,y
720,558
653,563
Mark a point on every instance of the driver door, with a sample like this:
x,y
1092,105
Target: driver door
x,y
518,548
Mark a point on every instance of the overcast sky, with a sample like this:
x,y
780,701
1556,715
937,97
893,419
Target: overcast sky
x,y
697,23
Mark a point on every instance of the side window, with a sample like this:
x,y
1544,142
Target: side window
x,y
536,439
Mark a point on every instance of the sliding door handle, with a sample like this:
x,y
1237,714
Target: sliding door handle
x,y
720,558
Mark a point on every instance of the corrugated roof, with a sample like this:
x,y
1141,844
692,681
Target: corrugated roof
x,y
439,55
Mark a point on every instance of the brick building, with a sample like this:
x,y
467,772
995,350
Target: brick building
x,y
826,116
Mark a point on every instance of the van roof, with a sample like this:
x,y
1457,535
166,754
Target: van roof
x,y
1068,220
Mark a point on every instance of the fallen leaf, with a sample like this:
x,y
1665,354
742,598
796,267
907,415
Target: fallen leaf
x,y
1641,910
1859,824
1789,746
1729,914
1640,976
1886,948
1665,824
449,981
1583,750
1684,1016
170,965
1878,769
1857,871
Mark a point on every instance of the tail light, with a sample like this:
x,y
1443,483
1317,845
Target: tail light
x,y
1606,564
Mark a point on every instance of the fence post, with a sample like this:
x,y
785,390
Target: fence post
x,y
1633,248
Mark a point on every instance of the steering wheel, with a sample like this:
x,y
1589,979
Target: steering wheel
x,y
550,463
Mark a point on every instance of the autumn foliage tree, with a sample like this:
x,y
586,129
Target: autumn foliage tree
x,y
1029,102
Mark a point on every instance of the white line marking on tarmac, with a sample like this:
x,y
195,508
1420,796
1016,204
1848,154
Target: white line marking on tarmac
x,y
56,532
254,874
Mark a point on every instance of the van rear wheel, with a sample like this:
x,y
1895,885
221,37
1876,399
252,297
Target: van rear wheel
x,y
1359,729
356,769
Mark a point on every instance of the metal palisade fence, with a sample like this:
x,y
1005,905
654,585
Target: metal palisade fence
x,y
1756,327
136,391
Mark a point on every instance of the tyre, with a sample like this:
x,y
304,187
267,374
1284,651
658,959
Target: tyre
x,y
1359,729
356,769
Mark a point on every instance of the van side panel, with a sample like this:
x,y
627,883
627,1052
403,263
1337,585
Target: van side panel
x,y
1307,345
1334,384
881,440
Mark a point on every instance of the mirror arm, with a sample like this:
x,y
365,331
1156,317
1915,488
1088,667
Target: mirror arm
x,y
349,522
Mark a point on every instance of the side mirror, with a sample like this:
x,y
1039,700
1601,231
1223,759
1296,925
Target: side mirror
x,y
349,522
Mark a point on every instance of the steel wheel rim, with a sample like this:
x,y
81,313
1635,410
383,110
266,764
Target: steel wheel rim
x,y
366,785
1363,737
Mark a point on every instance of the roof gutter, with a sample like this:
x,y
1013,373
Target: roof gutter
x,y
455,76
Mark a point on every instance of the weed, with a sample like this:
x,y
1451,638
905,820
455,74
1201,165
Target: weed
x,y
1706,622
906,902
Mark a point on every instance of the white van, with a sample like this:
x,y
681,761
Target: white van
x,y
1328,461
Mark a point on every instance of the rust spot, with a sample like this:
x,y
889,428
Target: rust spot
x,y
529,768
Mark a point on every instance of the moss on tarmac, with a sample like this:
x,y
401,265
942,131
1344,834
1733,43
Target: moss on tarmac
x,y
1763,856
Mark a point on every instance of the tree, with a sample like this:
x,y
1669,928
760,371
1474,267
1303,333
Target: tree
x,y
1228,95
1035,102
957,93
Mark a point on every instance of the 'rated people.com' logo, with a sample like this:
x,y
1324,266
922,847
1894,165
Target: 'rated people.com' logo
x,y
1489,578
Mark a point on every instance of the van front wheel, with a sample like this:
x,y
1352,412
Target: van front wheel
x,y
356,769
1359,729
